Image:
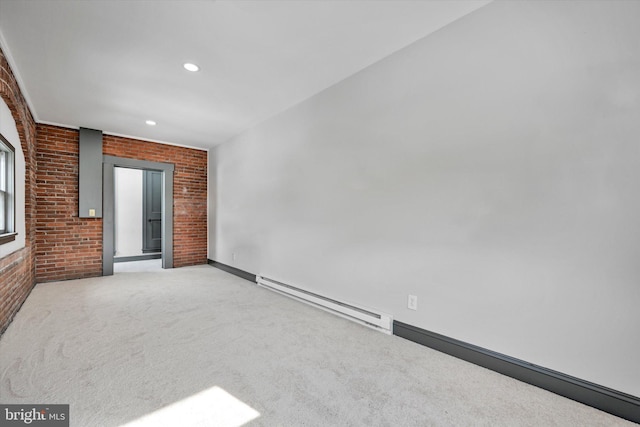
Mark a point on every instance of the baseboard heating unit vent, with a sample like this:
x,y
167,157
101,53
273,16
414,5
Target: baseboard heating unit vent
x,y
379,321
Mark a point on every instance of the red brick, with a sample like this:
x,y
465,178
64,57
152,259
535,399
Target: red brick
x,y
17,270
76,244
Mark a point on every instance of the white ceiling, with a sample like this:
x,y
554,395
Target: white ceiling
x,y
111,65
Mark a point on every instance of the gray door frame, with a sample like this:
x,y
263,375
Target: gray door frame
x,y
108,211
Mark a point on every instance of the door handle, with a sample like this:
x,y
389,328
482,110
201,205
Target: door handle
x,y
151,220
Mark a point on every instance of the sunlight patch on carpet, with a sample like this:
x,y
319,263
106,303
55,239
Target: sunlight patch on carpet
x,y
213,406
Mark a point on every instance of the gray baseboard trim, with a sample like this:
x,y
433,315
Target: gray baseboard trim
x,y
612,401
235,271
156,255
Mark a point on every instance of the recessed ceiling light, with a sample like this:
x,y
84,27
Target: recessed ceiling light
x,y
150,122
190,67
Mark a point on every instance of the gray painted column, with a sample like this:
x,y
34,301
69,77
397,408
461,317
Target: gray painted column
x,y
89,173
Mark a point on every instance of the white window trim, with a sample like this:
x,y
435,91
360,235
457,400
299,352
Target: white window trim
x,y
9,234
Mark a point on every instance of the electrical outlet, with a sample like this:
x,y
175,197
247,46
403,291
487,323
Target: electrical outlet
x,y
412,302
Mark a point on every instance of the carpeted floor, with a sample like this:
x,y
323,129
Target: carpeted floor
x,y
197,346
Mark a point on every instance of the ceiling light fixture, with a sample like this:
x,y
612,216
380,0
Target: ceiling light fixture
x,y
190,67
150,122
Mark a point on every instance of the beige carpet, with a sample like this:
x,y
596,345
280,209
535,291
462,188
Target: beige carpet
x,y
197,346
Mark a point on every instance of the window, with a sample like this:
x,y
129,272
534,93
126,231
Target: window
x,y
7,191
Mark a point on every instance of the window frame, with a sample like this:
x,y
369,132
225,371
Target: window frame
x,y
8,194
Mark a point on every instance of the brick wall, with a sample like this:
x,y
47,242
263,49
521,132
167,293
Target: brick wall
x,y
17,270
189,192
69,247
16,282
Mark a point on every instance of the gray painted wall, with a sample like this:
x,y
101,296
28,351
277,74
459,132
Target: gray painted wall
x,y
491,169
90,173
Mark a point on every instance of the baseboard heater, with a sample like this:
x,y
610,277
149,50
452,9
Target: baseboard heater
x,y
375,320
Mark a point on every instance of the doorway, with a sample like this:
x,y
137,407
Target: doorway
x,y
156,220
137,219
151,212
